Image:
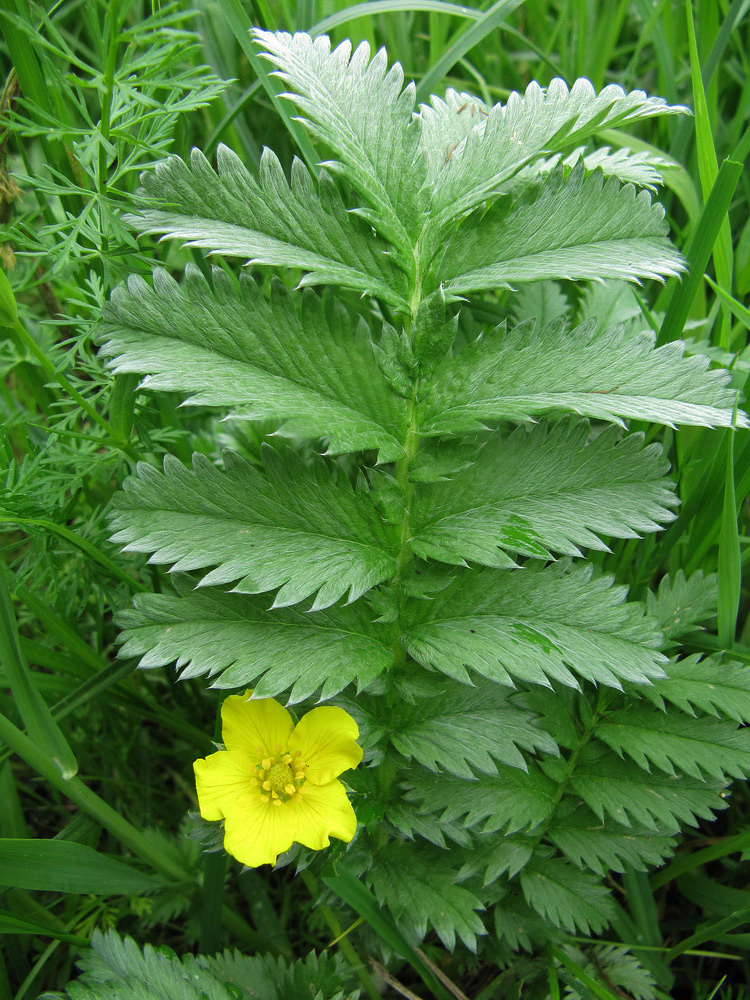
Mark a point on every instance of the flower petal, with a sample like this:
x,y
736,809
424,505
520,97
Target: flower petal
x,y
257,836
326,739
322,811
223,782
252,725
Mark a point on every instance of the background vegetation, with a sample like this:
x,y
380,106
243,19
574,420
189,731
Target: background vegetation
x,y
94,92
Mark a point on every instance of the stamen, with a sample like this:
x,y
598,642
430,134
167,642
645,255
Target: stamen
x,y
290,789
266,763
278,748
265,798
277,802
299,775
267,785
274,795
287,758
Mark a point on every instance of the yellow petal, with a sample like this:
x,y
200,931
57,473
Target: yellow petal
x,y
253,725
222,781
257,835
322,811
325,738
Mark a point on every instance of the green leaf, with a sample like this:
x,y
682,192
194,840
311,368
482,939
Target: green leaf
x,y
64,866
619,789
267,221
464,731
553,489
259,358
543,120
524,372
415,883
536,626
514,800
719,689
639,167
565,226
600,847
682,602
567,897
673,743
361,110
542,301
610,303
289,526
237,642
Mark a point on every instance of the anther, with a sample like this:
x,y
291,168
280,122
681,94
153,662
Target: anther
x,y
277,802
278,748
267,785
274,795
299,775
287,758
265,798
265,763
290,789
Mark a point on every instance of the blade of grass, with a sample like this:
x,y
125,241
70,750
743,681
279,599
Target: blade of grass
x,y
466,41
730,558
708,168
598,990
699,250
740,312
707,932
373,7
32,708
240,25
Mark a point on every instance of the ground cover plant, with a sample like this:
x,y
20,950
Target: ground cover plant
x,y
431,430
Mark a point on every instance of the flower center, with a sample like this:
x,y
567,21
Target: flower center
x,y
280,777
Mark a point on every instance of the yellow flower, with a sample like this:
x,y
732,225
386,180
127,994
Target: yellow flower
x,y
276,782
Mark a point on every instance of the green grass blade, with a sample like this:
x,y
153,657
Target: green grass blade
x,y
740,312
373,7
32,708
597,989
12,924
699,250
466,41
730,559
708,169
241,24
64,866
708,932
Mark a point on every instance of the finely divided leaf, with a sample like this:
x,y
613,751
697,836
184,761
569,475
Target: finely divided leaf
x,y
514,800
566,226
237,642
681,603
522,373
465,731
542,301
601,847
535,626
719,689
267,221
672,742
553,489
263,359
290,526
543,120
362,111
641,168
416,883
567,897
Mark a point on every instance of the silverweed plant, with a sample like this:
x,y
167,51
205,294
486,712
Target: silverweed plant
x,y
432,473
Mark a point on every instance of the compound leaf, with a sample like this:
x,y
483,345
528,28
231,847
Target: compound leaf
x,y
522,373
573,225
536,626
671,742
567,897
235,640
682,602
415,883
597,846
503,139
362,111
720,689
232,347
289,526
267,221
465,731
631,796
553,489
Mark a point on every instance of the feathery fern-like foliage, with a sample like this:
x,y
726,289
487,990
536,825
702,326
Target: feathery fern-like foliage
x,y
523,718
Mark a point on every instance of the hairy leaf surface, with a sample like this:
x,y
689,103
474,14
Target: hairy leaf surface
x,y
536,626
708,747
549,490
719,689
682,602
504,138
260,358
235,640
416,883
465,731
290,526
601,847
631,796
567,897
267,221
524,372
567,226
514,800
359,108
